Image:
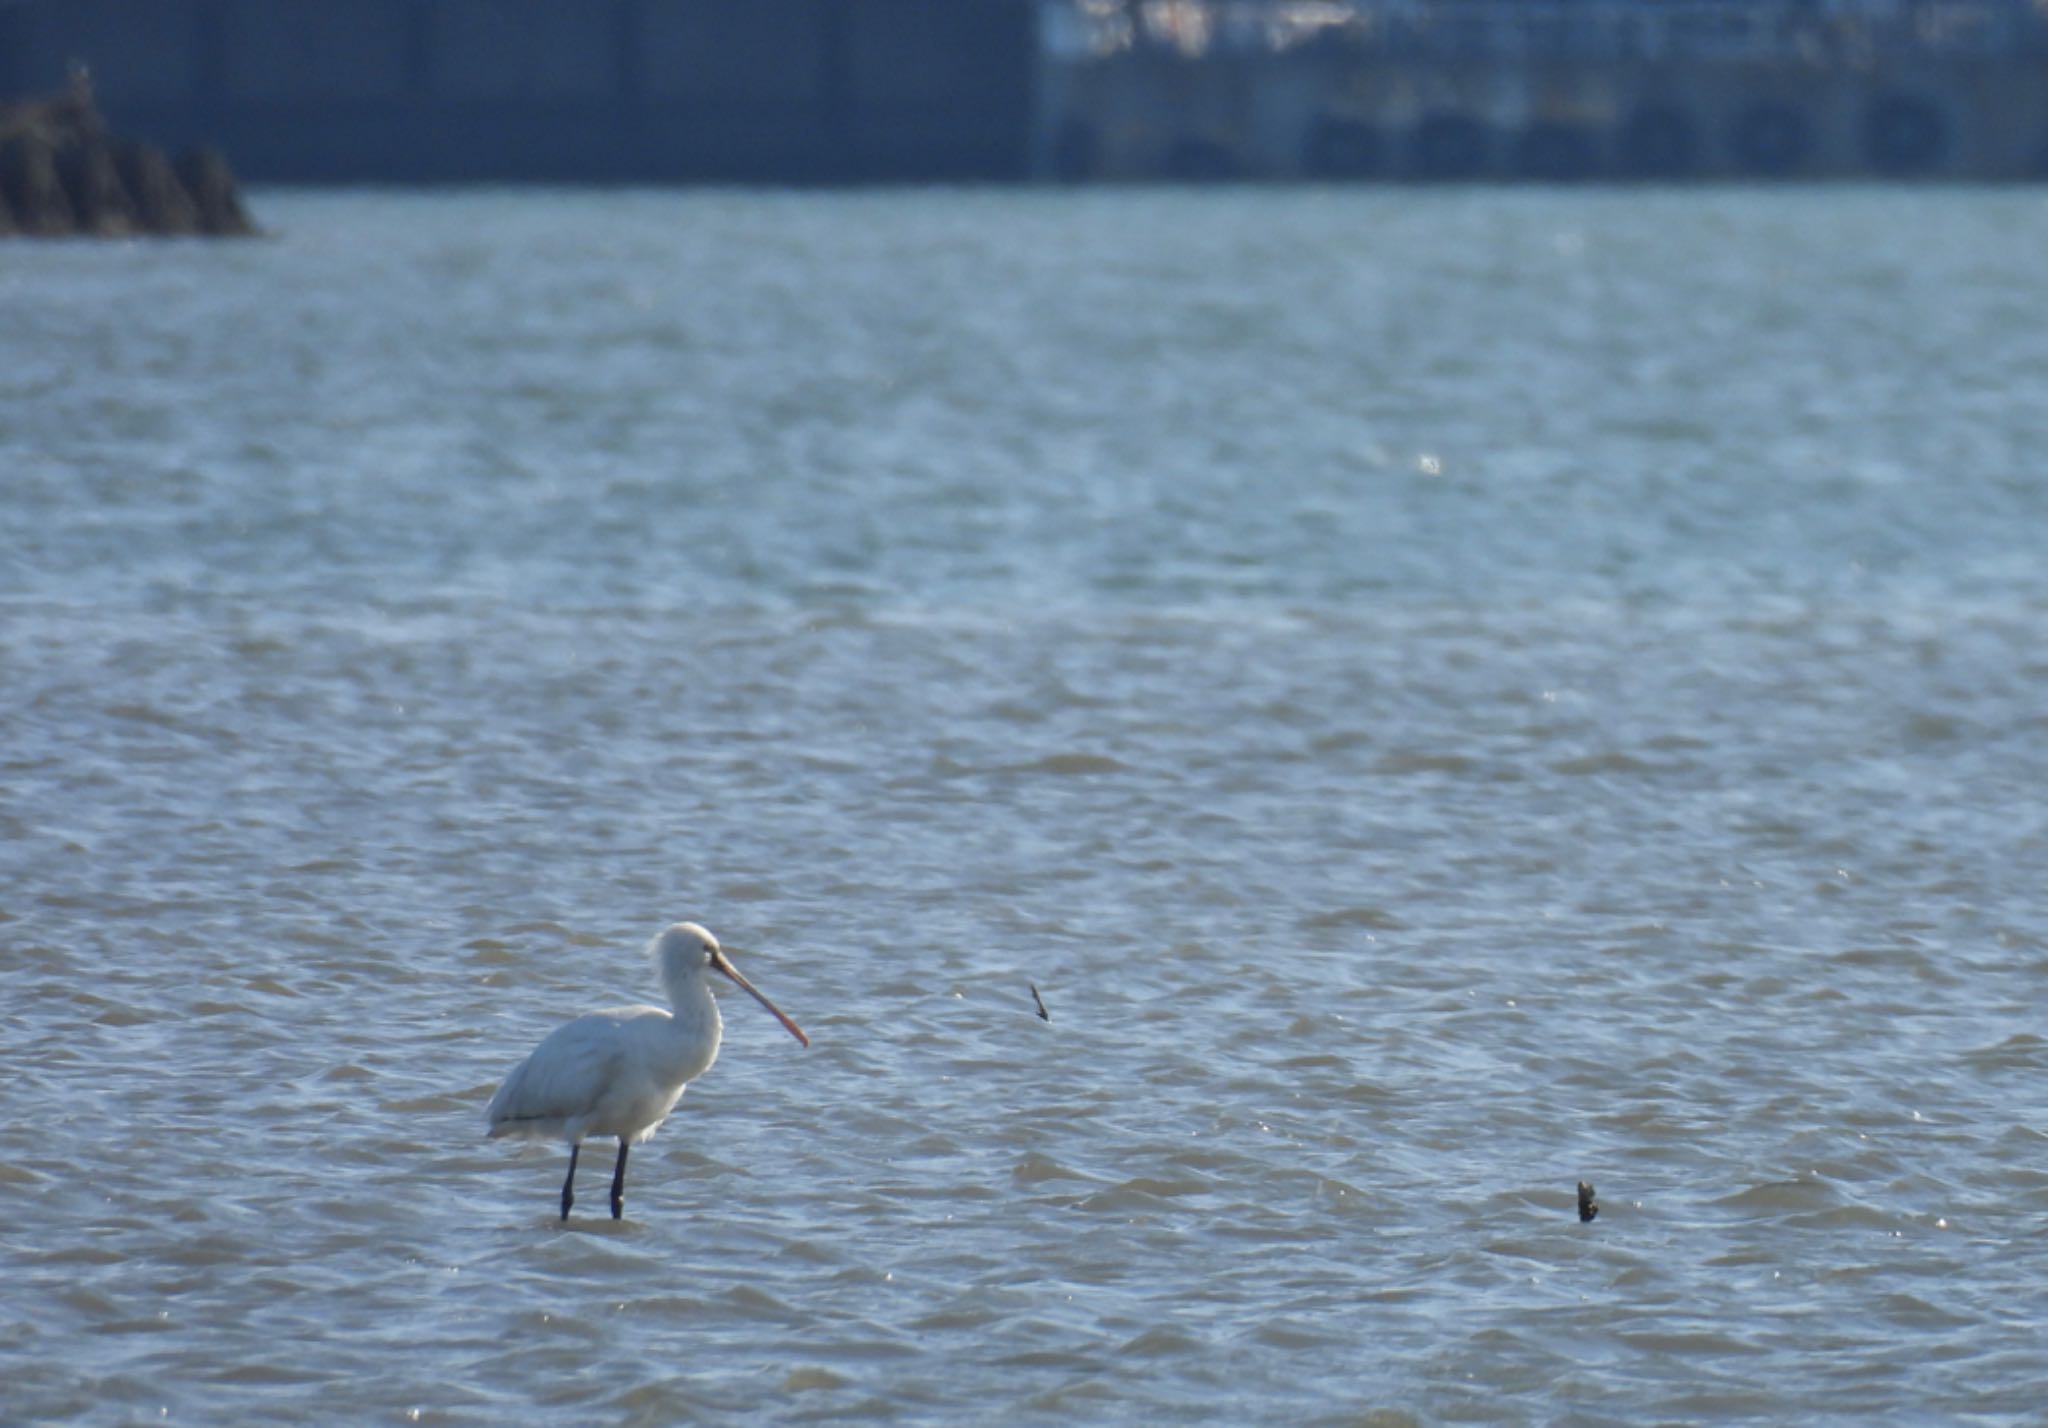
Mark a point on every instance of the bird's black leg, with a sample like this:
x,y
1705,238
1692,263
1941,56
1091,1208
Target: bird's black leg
x,y
619,1183
569,1185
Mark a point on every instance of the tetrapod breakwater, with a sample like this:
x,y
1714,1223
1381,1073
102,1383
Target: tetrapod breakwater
x,y
65,172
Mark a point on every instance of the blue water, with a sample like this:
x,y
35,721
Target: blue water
x,y
1446,694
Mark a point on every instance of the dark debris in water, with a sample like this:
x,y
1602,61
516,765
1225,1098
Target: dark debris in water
x,y
1587,1209
1043,1014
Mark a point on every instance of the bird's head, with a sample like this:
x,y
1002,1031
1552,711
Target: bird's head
x,y
686,952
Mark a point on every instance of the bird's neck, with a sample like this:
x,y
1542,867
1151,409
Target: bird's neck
x,y
693,1032
696,1010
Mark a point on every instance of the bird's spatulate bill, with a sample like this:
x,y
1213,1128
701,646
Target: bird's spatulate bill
x,y
719,960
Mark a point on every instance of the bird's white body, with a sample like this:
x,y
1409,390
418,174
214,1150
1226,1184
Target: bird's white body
x,y
620,1072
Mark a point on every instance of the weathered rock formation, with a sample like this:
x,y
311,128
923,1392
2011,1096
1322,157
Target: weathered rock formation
x,y
62,172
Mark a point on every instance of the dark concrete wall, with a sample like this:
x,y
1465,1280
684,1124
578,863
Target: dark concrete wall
x,y
1147,114
577,90
1554,91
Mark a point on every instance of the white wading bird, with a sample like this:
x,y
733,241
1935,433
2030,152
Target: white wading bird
x,y
620,1072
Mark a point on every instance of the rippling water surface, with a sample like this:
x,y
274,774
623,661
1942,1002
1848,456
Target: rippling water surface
x,y
1446,694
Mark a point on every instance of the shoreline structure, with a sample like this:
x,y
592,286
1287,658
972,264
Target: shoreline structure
x,y
64,173
803,92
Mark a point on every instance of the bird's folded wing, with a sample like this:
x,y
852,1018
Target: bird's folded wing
x,y
562,1079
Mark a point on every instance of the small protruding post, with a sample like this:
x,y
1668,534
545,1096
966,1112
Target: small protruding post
x,y
1043,1014
1587,1209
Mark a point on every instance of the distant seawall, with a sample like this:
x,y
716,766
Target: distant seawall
x,y
577,90
863,91
1549,91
